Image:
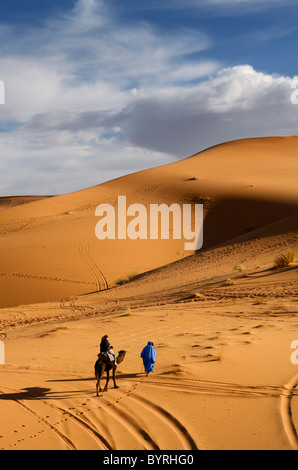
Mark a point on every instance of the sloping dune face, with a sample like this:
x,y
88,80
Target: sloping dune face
x,y
49,250
9,202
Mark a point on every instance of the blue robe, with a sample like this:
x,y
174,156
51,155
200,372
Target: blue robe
x,y
149,357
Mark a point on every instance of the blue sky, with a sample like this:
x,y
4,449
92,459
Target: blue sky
x,y
95,89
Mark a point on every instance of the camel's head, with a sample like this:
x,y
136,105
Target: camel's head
x,y
121,356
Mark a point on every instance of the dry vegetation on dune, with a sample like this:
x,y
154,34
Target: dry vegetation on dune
x,y
285,259
242,269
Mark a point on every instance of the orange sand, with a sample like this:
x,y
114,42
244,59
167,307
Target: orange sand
x,y
223,379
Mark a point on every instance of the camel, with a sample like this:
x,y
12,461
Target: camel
x,y
103,365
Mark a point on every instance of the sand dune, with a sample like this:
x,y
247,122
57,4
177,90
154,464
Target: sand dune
x,y
9,202
48,249
224,377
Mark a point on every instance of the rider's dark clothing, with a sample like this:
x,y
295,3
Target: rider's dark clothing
x,y
105,346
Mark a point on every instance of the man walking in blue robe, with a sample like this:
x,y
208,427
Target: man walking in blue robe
x,y
149,358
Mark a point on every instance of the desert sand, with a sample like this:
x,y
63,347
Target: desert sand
x,y
223,378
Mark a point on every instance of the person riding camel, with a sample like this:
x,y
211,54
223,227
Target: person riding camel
x,y
104,345
106,348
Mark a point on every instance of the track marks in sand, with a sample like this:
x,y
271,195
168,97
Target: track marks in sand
x,y
69,444
42,278
276,290
150,425
103,444
186,441
215,388
100,279
286,394
131,422
286,412
69,305
84,431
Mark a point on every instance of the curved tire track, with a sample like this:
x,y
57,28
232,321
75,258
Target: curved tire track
x,y
286,412
87,427
75,309
101,274
93,268
171,421
129,423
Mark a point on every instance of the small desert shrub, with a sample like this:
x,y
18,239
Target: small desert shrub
x,y
218,358
126,311
197,295
285,259
213,358
121,281
193,178
242,269
124,280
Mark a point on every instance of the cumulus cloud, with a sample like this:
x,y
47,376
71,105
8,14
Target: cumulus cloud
x,y
89,98
238,102
87,60
67,80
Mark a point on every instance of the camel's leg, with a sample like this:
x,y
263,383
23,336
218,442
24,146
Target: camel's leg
x,y
114,377
97,375
103,368
107,382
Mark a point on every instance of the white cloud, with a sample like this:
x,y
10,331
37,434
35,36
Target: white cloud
x,y
66,81
98,98
87,60
238,102
189,72
67,166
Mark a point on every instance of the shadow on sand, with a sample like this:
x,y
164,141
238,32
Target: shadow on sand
x,y
41,393
30,393
88,379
